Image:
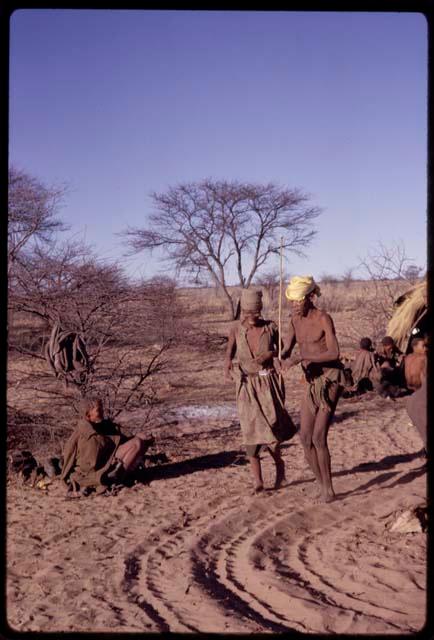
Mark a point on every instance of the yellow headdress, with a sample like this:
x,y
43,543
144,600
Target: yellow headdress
x,y
300,286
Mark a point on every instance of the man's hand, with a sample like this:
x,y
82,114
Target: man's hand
x,y
290,362
228,372
264,356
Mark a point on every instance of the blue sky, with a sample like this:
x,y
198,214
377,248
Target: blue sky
x,y
117,104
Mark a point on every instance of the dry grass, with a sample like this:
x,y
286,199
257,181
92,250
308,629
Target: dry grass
x,y
194,365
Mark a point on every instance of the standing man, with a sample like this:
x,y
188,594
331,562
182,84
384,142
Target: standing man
x,y
314,332
264,421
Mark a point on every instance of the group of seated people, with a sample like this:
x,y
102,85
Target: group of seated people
x,y
387,370
392,374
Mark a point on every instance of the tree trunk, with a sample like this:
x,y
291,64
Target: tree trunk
x,y
229,302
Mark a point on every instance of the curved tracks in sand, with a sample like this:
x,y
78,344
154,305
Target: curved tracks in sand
x,y
275,562
198,553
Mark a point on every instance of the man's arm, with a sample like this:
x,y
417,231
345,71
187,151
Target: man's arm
x,y
286,353
332,351
230,352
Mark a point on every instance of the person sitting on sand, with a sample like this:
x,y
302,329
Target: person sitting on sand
x,y
98,454
415,363
314,332
264,421
391,383
365,369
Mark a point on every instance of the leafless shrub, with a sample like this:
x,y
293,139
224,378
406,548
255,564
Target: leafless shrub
x,y
390,270
26,430
327,278
413,273
358,302
32,213
348,277
270,283
127,328
331,302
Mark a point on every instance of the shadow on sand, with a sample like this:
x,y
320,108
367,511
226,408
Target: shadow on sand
x,y
388,462
191,465
344,415
237,457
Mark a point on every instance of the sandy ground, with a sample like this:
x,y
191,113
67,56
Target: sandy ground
x,y
192,550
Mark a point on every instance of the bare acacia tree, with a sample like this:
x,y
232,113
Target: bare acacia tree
x,y
32,212
210,226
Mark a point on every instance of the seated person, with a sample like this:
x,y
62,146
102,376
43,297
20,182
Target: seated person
x,y
392,383
366,368
415,363
98,453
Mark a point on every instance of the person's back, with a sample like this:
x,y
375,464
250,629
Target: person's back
x,y
415,364
365,369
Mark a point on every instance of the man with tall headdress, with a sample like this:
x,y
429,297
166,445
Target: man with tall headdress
x,y
314,332
264,421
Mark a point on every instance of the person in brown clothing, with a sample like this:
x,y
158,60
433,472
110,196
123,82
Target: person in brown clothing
x,y
98,453
392,383
415,363
365,370
314,332
264,421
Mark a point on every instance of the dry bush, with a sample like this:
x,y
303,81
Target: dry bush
x,y
328,278
390,273
348,277
331,302
127,330
32,213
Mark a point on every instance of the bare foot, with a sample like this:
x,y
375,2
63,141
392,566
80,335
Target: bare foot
x,y
258,489
70,495
329,496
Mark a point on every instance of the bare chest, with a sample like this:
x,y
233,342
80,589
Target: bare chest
x,y
308,331
253,337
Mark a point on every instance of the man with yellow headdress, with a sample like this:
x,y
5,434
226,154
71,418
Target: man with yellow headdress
x,y
264,421
314,332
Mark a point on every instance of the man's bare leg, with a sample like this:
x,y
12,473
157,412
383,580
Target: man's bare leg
x,y
276,454
255,466
322,423
319,439
307,423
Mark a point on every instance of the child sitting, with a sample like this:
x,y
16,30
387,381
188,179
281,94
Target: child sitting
x,y
365,370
